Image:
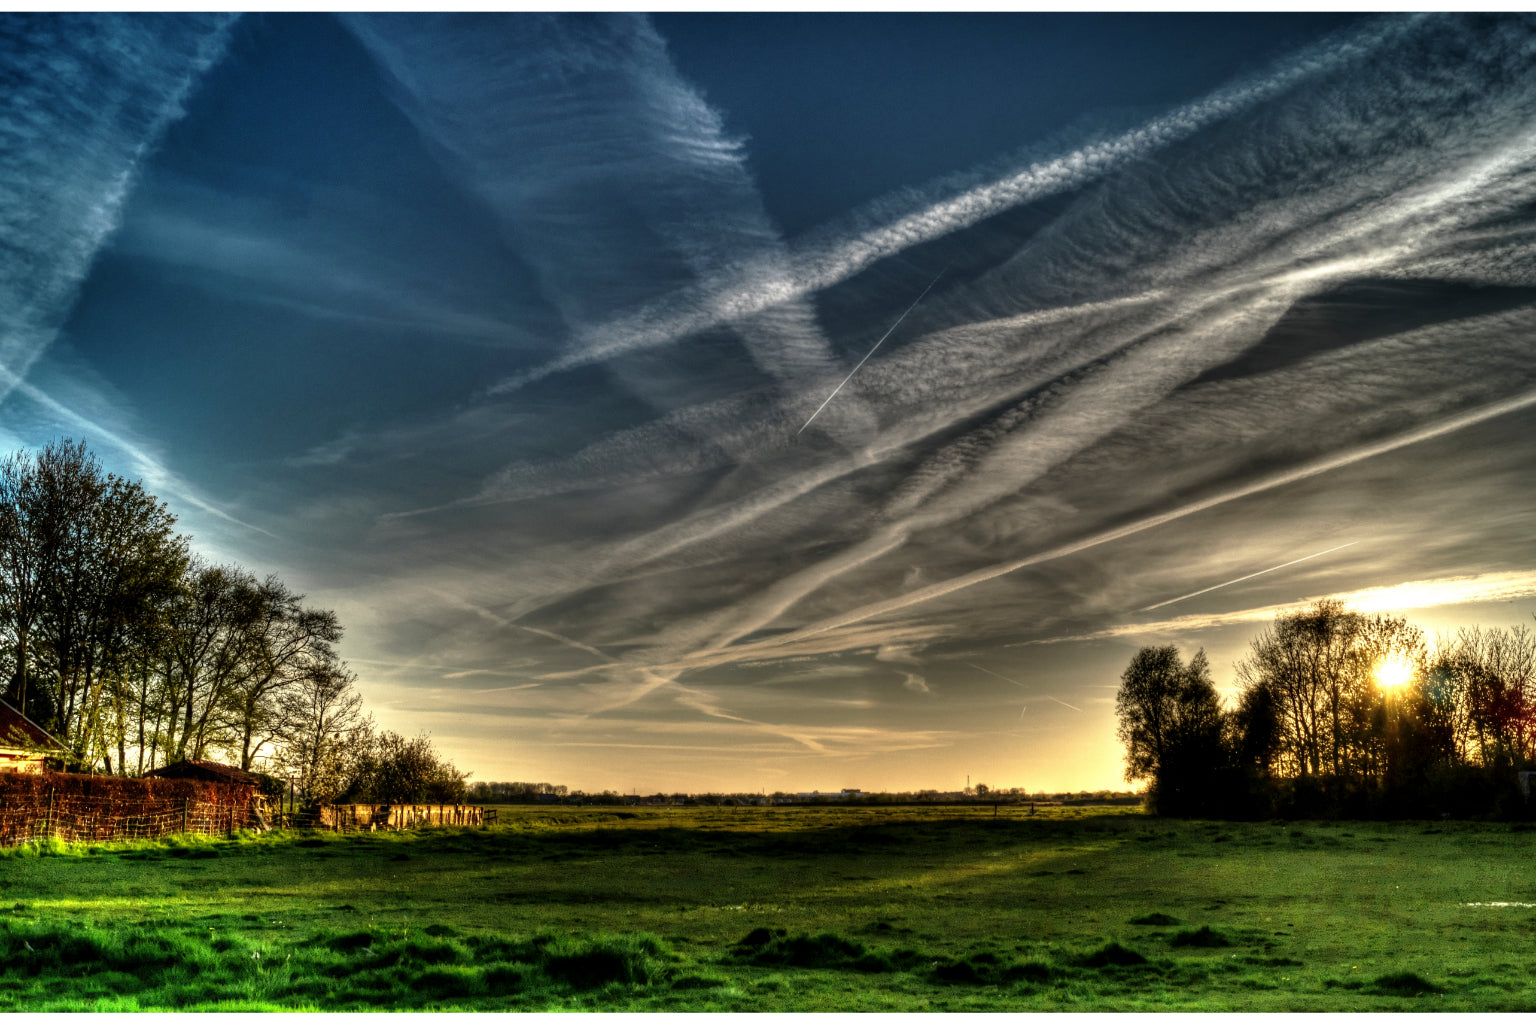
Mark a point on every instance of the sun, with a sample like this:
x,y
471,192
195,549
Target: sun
x,y
1393,671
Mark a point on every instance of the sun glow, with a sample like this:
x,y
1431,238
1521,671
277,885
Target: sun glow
x,y
1393,672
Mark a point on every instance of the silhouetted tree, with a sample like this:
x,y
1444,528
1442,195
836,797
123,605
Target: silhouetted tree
x,y
1146,708
284,643
1318,668
1254,730
1172,725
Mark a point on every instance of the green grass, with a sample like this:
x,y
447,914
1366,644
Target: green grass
x,y
783,909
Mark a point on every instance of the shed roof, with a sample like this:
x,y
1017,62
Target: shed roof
x,y
17,731
210,771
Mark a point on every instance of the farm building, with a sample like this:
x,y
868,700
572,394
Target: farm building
x,y
212,771
205,771
24,745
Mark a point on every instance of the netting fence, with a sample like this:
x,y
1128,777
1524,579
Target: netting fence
x,y
91,808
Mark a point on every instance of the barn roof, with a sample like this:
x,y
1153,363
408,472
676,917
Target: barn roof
x,y
19,731
210,771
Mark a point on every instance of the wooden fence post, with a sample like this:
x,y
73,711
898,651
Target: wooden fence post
x,y
186,807
48,821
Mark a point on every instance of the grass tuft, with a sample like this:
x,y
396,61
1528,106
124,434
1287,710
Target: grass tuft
x,y
1203,936
1112,954
636,959
961,972
1404,983
828,951
351,941
1032,971
1159,920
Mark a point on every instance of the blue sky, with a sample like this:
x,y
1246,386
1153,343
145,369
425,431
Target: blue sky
x,y
512,338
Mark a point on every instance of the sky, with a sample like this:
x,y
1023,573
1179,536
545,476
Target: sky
x,y
703,403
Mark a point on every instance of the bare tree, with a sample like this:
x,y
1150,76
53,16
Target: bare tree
x,y
208,653
323,721
28,544
286,643
1491,676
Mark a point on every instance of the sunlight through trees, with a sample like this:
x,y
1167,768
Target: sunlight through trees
x,y
1341,712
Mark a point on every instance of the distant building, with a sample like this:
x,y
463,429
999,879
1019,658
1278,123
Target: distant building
x,y
24,745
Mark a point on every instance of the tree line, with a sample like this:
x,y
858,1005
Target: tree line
x,y
134,652
1337,712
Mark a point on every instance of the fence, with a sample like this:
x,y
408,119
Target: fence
x,y
366,817
90,808
93,808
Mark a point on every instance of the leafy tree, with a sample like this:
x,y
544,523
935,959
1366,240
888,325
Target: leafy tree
x,y
1146,707
119,642
28,543
1254,730
85,556
1172,724
393,769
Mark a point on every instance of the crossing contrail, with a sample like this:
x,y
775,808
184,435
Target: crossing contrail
x,y
1261,572
1015,682
871,352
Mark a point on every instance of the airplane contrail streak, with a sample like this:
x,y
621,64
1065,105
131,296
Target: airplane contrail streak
x,y
889,331
1261,572
1015,682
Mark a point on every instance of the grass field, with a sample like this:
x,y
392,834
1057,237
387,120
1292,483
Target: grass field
x,y
836,908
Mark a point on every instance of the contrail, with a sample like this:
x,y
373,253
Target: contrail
x,y
1015,682
871,352
829,259
1303,472
1261,572
150,467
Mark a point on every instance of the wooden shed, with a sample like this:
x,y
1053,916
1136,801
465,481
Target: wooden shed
x,y
24,745
213,771
206,771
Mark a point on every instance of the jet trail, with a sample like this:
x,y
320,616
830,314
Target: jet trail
x,y
1015,682
1261,572
871,352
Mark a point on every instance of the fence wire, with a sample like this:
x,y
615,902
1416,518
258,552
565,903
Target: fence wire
x,y
84,817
